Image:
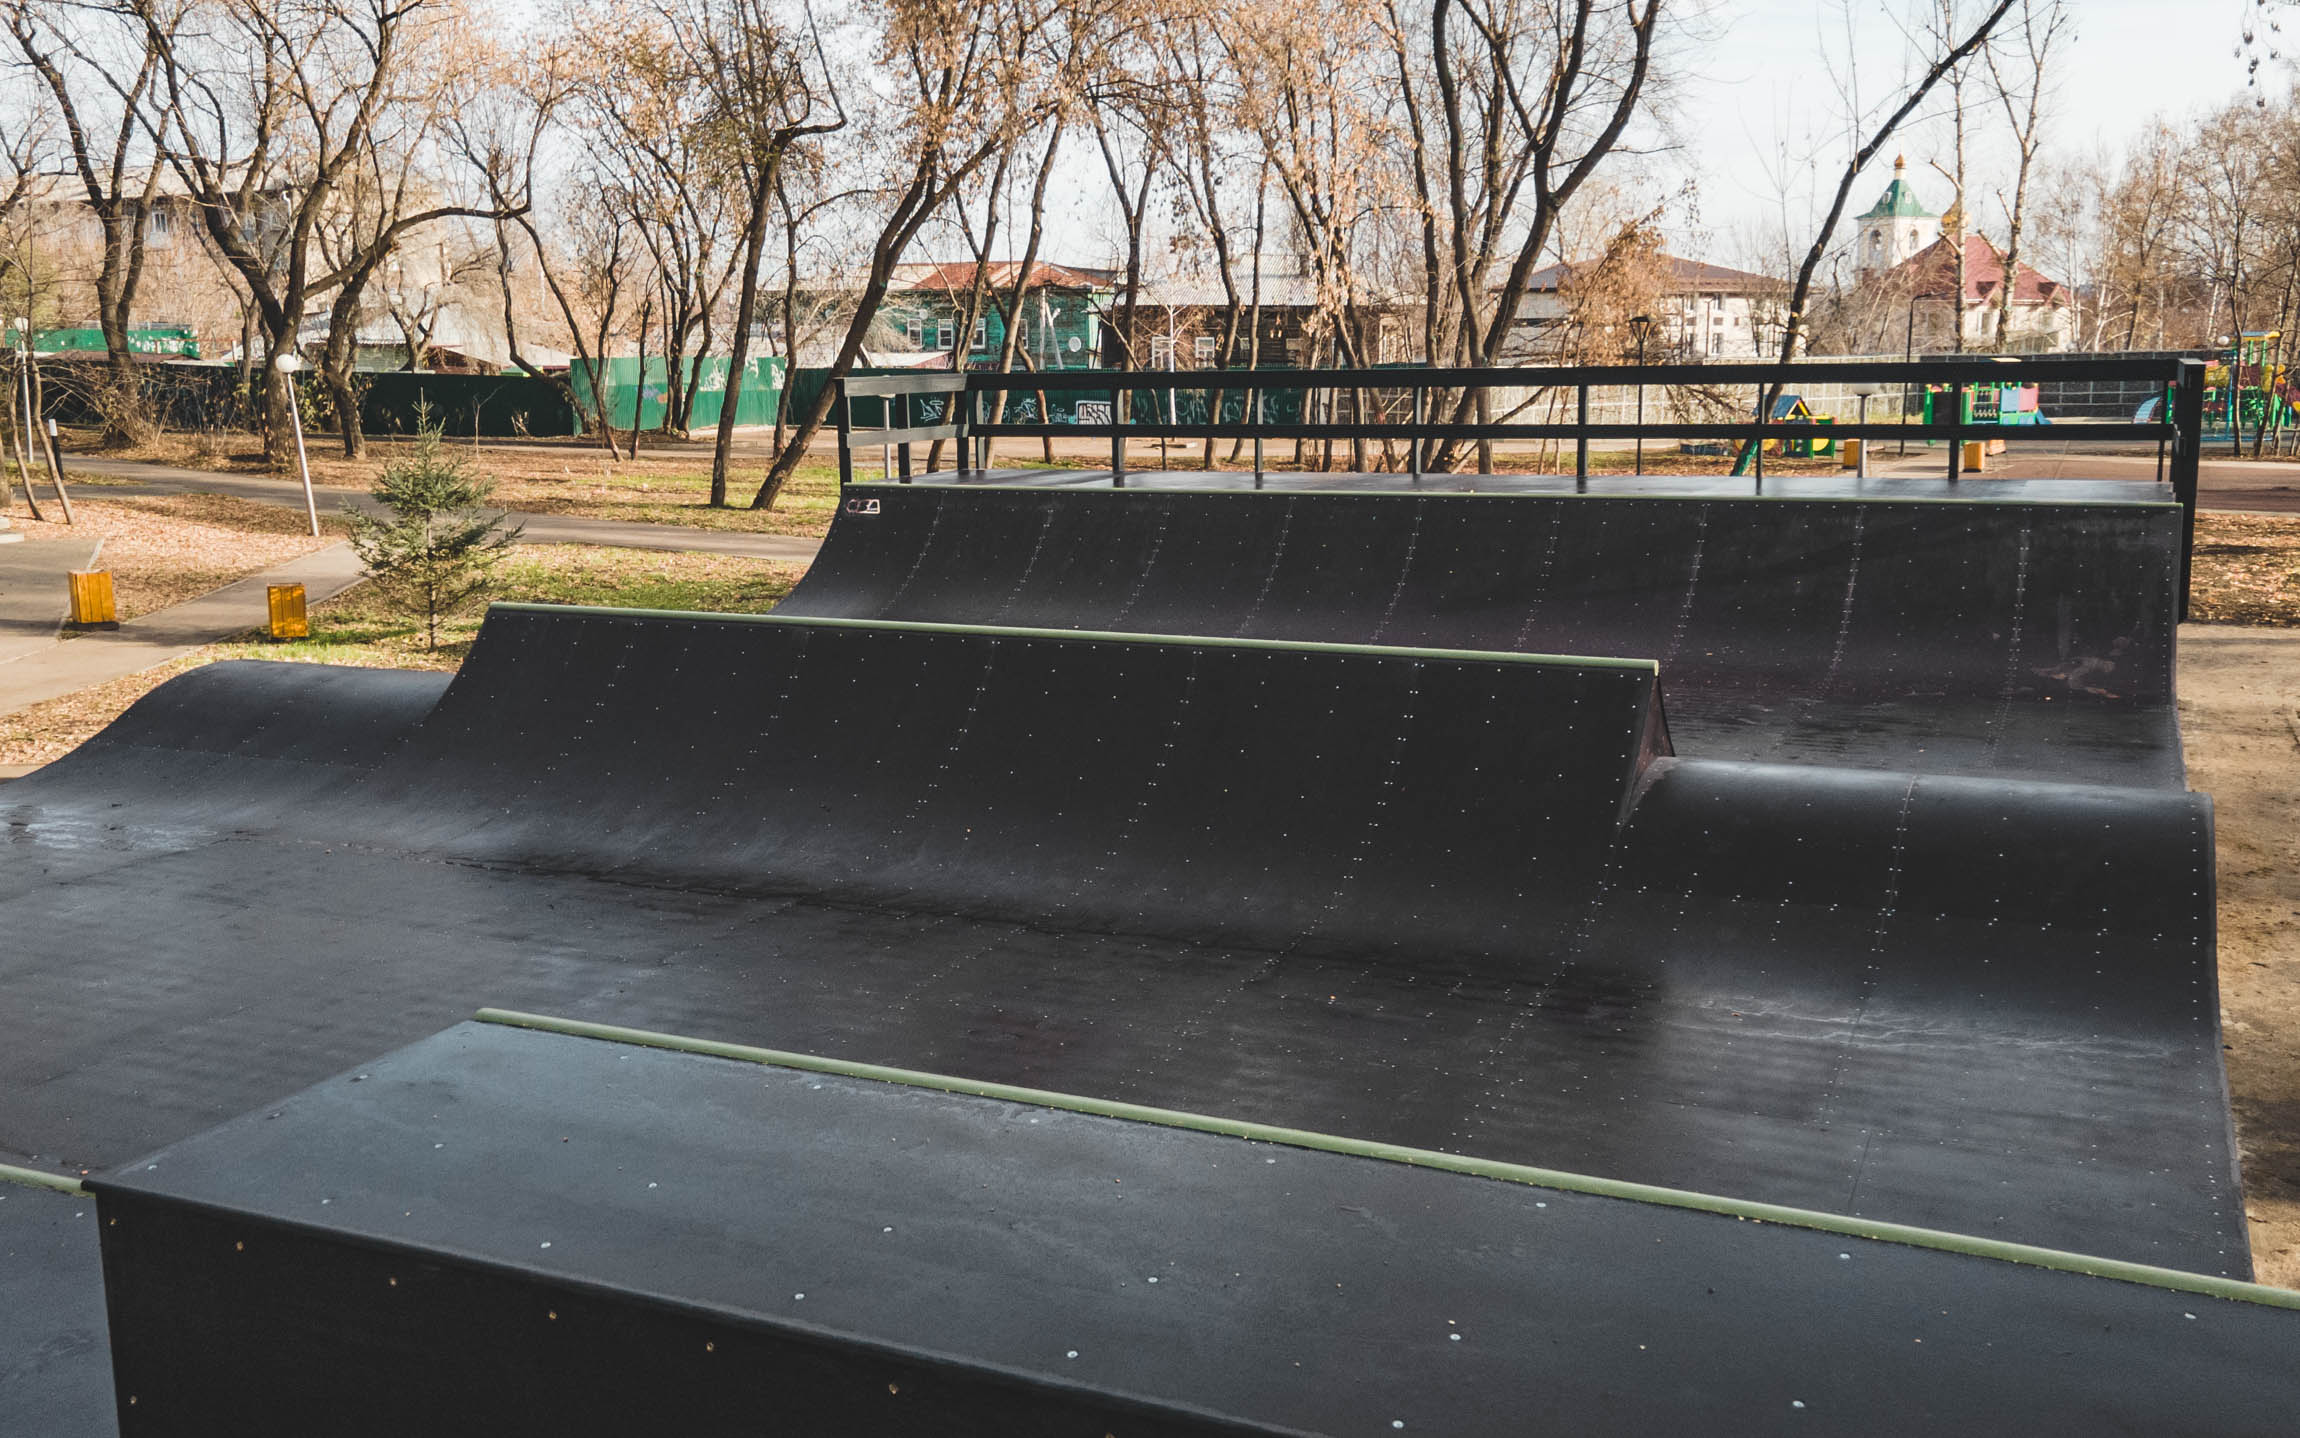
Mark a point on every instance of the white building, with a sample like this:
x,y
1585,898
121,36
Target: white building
x,y
1702,311
1896,228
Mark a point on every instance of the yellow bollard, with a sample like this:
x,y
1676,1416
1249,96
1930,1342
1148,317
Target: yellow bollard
x,y
1849,454
93,606
289,620
1976,451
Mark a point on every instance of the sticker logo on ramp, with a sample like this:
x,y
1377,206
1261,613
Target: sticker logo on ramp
x,y
862,506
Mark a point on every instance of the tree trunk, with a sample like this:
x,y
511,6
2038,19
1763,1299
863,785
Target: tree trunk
x,y
746,309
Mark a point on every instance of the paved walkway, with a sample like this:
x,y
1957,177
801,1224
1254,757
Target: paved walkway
x,y
56,669
33,591
539,528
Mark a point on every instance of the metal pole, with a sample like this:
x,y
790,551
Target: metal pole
x,y
1581,439
56,472
2187,449
1257,439
1861,469
302,460
1641,401
1120,407
1956,430
846,437
1757,468
1414,439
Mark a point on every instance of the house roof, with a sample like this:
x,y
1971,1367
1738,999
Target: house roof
x,y
957,275
1930,273
1682,276
1898,201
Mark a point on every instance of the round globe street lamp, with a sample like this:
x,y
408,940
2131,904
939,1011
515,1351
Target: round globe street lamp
x,y
287,362
1642,327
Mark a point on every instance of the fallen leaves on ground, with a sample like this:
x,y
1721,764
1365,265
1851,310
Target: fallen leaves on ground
x,y
2246,569
165,549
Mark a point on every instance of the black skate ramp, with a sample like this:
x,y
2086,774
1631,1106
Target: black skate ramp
x,y
1468,902
2021,637
499,1230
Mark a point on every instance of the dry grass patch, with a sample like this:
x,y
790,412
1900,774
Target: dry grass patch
x,y
670,484
165,549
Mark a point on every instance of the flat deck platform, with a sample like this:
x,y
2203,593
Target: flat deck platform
x,y
646,1240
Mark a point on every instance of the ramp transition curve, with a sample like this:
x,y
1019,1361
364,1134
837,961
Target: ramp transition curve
x,y
1466,902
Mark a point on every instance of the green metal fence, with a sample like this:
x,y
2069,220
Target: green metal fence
x,y
647,396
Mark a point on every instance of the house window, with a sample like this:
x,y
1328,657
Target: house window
x,y
946,335
1205,348
1161,353
159,226
917,336
981,340
1716,344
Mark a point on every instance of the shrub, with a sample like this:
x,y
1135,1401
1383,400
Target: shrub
x,y
439,548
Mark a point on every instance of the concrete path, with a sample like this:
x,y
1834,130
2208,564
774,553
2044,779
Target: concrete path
x,y
33,591
55,670
539,528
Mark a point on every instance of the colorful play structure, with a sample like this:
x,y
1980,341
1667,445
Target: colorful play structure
x,y
2250,390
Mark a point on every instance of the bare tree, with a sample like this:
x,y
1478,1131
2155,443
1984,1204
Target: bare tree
x,y
966,76
1865,154
99,73
2023,97
770,91
265,112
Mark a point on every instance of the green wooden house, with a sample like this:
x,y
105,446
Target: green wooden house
x,y
1061,315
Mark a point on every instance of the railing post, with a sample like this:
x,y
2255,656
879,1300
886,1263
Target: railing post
x,y
846,436
1757,454
1956,430
1581,439
2187,449
1414,436
982,441
902,450
1257,398
1118,409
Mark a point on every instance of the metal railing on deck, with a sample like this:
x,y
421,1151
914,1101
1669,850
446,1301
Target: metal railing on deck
x,y
1412,406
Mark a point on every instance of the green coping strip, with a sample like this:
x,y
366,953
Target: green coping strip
x,y
2166,1278
1138,491
1185,641
34,1178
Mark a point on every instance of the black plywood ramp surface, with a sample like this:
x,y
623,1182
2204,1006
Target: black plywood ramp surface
x,y
2029,639
1461,902
55,1370
505,1231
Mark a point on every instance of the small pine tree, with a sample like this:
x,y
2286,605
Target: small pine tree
x,y
440,547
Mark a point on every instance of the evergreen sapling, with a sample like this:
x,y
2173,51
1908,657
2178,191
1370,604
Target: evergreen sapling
x,y
439,548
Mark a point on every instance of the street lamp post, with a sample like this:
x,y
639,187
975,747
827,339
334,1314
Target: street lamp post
x,y
287,362
1641,326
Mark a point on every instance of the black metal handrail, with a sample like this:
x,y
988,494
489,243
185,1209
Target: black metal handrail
x,y
962,418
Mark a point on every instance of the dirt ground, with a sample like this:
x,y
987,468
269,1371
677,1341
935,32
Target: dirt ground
x,y
2240,715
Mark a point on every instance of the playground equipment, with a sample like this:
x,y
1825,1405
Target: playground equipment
x,y
2250,390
